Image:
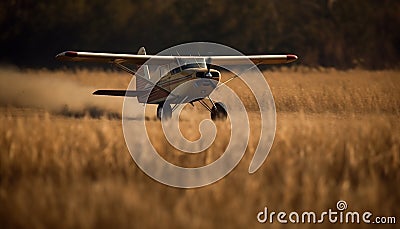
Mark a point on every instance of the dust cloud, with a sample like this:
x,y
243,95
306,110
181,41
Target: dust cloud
x,y
58,95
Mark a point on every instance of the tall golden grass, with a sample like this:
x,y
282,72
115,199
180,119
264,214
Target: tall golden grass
x,y
338,137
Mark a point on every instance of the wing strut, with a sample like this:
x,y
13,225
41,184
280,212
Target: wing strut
x,y
130,71
123,67
233,77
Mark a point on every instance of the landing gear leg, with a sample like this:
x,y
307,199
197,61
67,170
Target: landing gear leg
x,y
164,109
218,111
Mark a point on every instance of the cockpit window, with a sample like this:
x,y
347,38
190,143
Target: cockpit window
x,y
186,66
203,74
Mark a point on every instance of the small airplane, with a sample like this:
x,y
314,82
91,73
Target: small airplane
x,y
189,68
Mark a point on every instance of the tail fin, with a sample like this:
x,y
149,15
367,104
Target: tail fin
x,y
140,82
142,78
141,51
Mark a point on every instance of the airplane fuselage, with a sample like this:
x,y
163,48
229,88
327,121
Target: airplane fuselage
x,y
187,84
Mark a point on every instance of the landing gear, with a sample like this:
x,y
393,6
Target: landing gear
x,y
165,110
218,111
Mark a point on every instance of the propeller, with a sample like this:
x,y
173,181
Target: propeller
x,y
208,64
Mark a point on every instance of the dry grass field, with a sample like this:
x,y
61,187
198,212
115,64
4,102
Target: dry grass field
x,y
64,162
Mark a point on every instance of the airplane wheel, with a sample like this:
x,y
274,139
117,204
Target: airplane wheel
x,y
164,109
218,112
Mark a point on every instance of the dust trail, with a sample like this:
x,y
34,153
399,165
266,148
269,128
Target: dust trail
x,y
59,95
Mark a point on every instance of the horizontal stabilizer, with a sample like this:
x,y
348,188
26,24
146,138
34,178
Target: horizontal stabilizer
x,y
125,93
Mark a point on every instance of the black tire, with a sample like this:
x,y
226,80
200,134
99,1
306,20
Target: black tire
x,y
164,109
218,112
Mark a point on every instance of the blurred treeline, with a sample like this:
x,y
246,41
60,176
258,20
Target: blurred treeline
x,y
332,33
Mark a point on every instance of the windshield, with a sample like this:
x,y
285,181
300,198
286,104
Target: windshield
x,y
186,66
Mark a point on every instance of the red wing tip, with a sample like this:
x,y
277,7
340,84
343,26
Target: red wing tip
x,y
291,57
71,54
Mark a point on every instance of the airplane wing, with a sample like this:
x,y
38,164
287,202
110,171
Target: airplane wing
x,y
256,59
110,57
161,60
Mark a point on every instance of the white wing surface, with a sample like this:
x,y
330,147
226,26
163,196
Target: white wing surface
x,y
160,60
